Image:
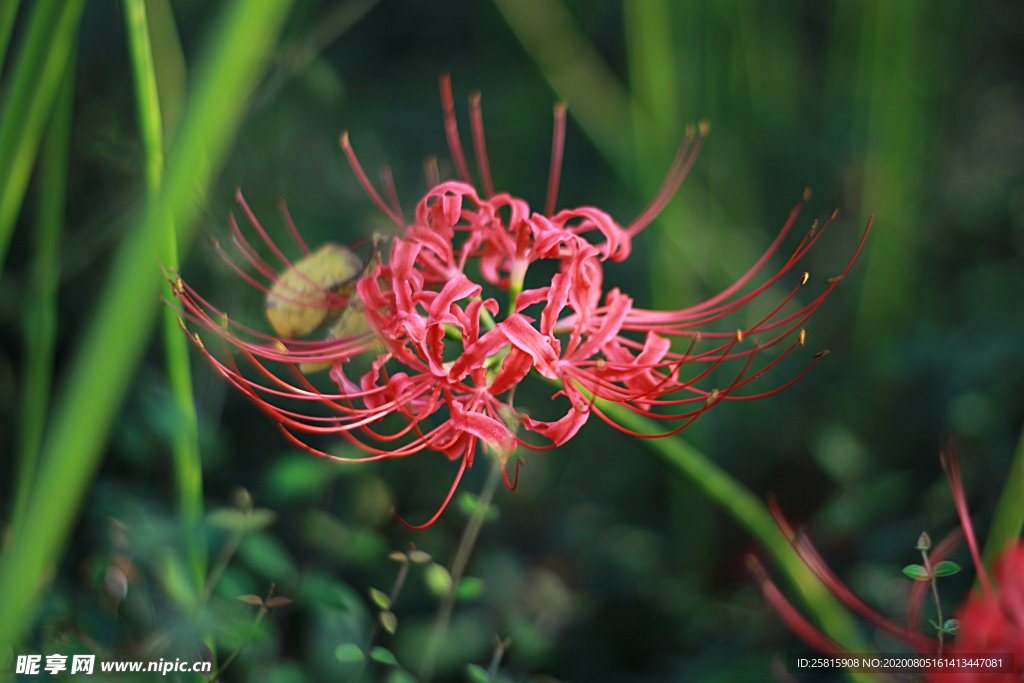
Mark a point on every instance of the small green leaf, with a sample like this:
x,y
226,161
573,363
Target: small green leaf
x,y
470,588
477,674
178,582
348,653
945,568
380,598
470,505
383,656
419,557
438,580
227,519
400,676
951,626
389,621
260,519
916,572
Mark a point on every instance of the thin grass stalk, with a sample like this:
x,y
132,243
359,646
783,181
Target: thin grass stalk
x,y
28,101
8,13
1008,521
752,514
41,304
117,336
187,460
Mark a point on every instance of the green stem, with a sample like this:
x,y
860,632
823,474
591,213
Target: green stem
x,y
752,514
462,553
935,595
396,589
188,469
248,636
1009,517
41,305
28,101
113,344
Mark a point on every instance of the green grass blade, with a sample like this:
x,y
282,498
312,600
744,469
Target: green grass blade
x,y
188,468
8,13
117,336
28,101
41,304
1009,517
570,63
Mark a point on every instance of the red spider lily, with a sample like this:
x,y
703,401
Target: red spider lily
x,y
445,368
991,620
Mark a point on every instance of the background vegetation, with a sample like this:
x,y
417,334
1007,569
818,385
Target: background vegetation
x,y
604,565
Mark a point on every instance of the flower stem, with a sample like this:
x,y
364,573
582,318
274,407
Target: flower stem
x,y
1009,516
462,553
935,596
752,514
248,636
396,589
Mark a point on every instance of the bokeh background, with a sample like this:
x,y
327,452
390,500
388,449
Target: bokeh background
x,y
604,565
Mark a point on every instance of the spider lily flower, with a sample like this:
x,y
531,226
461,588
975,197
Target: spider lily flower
x,y
446,359
991,619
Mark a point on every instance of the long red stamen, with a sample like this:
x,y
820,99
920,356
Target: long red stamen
x,y
451,492
956,486
797,623
451,130
353,162
557,148
476,126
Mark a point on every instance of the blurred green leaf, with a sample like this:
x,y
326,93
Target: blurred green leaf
x,y
470,588
227,519
177,582
298,477
348,652
419,557
383,655
477,674
259,519
321,590
267,556
917,572
380,598
469,504
951,626
400,676
389,621
945,568
438,580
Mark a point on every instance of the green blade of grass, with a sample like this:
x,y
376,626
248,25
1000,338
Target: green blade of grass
x,y
187,460
28,101
41,304
570,63
8,13
118,333
1008,520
